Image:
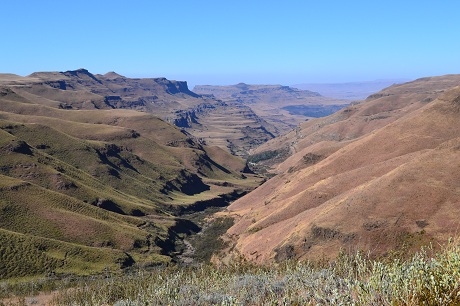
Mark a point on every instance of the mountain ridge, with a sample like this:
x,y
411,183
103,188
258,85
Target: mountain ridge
x,y
272,102
169,100
353,182
350,90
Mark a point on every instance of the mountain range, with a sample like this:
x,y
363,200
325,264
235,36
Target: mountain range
x,y
170,100
102,172
283,107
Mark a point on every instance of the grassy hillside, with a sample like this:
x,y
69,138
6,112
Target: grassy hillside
x,y
88,190
170,100
25,255
374,176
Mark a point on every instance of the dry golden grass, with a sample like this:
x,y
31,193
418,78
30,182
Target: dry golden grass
x,y
390,187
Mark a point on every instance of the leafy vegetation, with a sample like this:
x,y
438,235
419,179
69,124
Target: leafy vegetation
x,y
266,155
208,241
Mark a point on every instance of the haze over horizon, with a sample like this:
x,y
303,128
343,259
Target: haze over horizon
x,y
207,42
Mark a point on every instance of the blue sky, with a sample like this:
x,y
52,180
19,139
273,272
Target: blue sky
x,y
226,42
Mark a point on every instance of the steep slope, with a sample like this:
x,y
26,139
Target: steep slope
x,y
282,106
169,100
321,137
98,185
235,127
378,185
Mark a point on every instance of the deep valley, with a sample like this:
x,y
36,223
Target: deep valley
x,y
103,173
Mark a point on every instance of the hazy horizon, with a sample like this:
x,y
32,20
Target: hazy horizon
x,y
235,82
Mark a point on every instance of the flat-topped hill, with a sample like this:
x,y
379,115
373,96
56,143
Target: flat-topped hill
x,y
168,99
282,106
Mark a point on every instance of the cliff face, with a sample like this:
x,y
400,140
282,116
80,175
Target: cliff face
x,y
126,92
167,99
276,104
243,90
186,119
377,176
86,187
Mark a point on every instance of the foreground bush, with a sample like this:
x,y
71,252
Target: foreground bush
x,y
424,279
350,280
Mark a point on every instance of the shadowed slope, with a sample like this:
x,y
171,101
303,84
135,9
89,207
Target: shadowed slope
x,y
101,185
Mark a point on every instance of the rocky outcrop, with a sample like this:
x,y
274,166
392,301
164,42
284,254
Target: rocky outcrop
x,y
273,103
168,99
186,119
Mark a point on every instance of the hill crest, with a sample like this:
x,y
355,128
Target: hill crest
x,y
167,99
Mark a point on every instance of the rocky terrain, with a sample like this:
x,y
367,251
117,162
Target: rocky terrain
x,y
169,100
379,176
87,186
92,179
276,104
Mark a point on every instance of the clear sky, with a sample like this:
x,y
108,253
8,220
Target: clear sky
x,y
226,42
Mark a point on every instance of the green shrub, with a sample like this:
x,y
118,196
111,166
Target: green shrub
x,y
266,155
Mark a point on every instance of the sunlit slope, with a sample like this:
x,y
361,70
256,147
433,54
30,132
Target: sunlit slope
x,y
393,186
235,127
321,137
